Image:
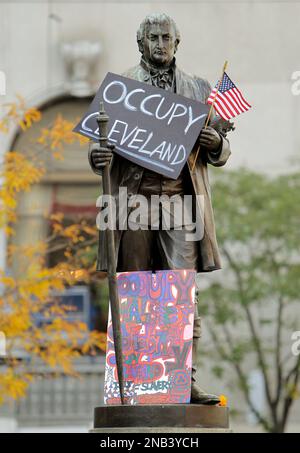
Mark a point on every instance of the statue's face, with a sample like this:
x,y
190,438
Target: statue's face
x,y
160,44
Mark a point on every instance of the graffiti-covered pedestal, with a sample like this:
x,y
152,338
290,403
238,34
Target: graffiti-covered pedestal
x,y
157,315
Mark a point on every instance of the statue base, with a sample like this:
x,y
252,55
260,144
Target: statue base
x,y
171,418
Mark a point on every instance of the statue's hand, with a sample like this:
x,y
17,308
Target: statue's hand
x,y
100,156
210,139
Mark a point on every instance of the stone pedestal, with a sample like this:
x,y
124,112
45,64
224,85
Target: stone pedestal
x,y
173,418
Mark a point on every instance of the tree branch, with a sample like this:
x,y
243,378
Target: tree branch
x,y
293,374
256,340
240,374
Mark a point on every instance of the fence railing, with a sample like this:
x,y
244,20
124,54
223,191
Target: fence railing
x,y
59,399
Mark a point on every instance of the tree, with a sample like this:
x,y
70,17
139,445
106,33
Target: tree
x,y
252,307
28,293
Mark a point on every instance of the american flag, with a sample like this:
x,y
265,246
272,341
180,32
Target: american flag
x,y
229,101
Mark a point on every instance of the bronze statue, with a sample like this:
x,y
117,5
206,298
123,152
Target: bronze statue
x,y
158,39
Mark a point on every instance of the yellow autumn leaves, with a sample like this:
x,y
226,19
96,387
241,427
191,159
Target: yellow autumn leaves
x,y
58,135
29,295
18,114
18,174
13,384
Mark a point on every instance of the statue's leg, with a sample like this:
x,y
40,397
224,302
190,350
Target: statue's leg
x,y
178,253
198,395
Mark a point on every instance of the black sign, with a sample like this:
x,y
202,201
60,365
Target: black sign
x,y
149,126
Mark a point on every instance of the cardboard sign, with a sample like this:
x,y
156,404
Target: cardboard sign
x,y
149,126
157,316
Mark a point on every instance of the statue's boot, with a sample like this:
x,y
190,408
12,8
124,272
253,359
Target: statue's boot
x,y
199,396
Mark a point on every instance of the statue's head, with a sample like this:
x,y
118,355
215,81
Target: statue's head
x,y
158,38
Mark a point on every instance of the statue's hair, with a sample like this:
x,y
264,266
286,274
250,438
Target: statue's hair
x,y
155,18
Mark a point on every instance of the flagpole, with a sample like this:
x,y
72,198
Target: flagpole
x,y
211,109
